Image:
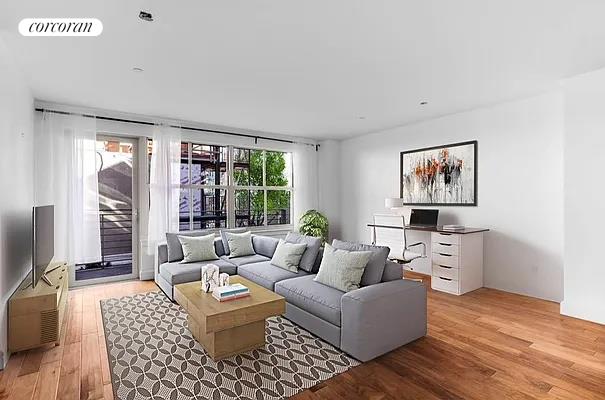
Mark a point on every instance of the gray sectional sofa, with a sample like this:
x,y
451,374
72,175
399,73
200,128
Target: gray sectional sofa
x,y
385,313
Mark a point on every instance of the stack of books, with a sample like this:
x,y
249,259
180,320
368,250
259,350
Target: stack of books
x,y
230,292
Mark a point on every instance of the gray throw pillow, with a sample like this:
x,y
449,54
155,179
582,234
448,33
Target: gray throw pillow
x,y
224,237
240,244
375,268
198,248
342,269
310,255
173,245
288,255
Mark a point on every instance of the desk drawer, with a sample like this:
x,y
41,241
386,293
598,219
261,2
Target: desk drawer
x,y
445,248
445,285
448,260
445,272
449,238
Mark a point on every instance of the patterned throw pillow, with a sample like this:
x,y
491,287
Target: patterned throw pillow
x,y
342,269
198,248
288,255
240,244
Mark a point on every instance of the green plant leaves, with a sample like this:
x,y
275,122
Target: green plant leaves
x,y
313,223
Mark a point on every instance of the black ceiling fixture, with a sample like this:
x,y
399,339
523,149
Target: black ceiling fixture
x,y
146,16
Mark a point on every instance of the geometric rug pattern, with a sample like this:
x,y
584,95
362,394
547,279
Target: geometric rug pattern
x,y
152,355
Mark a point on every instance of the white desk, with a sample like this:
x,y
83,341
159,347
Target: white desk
x,y
454,259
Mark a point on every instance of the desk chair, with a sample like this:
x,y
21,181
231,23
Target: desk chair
x,y
389,236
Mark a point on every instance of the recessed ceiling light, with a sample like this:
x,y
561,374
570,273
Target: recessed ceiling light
x,y
137,69
424,103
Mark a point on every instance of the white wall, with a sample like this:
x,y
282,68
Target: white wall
x,y
16,180
520,187
329,184
584,197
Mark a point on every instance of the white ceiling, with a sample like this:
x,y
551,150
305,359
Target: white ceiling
x,y
310,68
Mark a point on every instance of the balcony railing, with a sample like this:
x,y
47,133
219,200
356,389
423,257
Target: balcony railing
x,y
116,236
116,246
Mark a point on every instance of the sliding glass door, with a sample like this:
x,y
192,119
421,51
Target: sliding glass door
x,y
118,213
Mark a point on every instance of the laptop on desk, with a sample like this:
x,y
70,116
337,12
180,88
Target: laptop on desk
x,y
421,218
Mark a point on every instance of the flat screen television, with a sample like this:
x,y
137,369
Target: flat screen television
x,y
43,241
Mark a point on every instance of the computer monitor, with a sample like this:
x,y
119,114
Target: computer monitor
x,y
422,217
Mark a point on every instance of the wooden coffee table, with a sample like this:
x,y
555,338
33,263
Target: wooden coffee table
x,y
230,327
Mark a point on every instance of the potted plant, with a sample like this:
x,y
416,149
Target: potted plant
x,y
314,223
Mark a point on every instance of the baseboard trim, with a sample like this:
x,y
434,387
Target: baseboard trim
x,y
147,275
569,309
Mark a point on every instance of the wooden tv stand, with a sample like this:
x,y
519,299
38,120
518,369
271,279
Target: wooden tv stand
x,y
35,315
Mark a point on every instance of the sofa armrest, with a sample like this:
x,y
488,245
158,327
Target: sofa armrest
x,y
379,318
162,256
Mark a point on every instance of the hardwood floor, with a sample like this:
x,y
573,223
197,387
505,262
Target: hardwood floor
x,y
486,344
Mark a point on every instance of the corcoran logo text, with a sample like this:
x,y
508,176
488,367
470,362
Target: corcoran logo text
x,y
60,27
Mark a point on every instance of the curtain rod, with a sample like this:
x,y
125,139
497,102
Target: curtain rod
x,y
130,121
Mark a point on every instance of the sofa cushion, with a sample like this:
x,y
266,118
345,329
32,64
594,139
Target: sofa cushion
x,y
342,269
288,255
313,297
310,255
240,244
392,271
237,261
175,272
175,250
224,238
264,245
198,248
266,274
375,267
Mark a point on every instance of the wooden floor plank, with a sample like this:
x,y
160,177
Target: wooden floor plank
x,y
48,379
69,379
32,361
24,387
10,374
91,379
74,327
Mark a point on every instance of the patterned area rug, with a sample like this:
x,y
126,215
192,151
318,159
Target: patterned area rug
x,y
152,355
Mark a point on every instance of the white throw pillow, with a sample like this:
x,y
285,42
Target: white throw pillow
x,y
342,269
198,248
240,244
288,255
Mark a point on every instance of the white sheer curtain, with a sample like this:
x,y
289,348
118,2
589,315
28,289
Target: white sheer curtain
x,y
304,160
164,185
66,176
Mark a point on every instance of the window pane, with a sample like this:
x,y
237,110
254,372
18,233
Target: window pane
x,y
208,165
278,207
184,163
249,208
184,208
209,208
248,167
279,168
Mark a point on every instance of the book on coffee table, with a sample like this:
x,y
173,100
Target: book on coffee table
x,y
230,292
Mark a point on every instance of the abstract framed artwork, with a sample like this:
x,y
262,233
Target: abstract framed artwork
x,y
440,176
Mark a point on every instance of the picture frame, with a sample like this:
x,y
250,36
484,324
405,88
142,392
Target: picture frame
x,y
444,175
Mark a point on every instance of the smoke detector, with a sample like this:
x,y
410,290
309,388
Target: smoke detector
x,y
146,16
